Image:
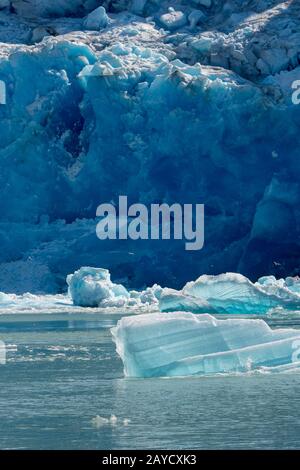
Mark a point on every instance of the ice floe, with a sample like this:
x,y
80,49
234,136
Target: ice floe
x,y
181,344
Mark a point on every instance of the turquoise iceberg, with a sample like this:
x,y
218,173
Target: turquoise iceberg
x,y
181,344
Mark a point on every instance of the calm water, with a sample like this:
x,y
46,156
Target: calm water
x,y
62,372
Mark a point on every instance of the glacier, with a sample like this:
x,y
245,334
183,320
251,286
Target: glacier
x,y
172,101
182,344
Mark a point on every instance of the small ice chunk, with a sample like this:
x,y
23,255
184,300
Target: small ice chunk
x,y
99,421
204,43
173,19
96,20
113,420
204,3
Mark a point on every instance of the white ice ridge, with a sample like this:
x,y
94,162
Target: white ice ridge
x,y
182,344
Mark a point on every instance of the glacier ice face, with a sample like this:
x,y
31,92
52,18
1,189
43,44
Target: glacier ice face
x,y
181,344
128,110
92,287
233,293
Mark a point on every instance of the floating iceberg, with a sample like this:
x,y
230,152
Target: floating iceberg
x,y
181,344
92,287
46,8
233,293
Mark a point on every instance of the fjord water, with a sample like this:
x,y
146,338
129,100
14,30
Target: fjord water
x,y
62,371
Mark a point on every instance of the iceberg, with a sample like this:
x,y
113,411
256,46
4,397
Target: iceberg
x,y
233,293
199,112
97,19
182,344
173,19
92,287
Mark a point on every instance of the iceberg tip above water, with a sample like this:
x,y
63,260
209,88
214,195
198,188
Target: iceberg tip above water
x,y
182,344
233,293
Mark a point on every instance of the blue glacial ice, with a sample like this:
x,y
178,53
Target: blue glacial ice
x,y
92,287
192,109
233,293
228,293
181,344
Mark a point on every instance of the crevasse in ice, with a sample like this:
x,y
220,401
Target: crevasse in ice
x,y
91,287
182,344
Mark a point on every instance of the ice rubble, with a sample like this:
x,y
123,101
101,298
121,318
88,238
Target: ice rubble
x,y
127,109
181,344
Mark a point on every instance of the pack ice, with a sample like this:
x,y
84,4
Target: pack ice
x,y
182,344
